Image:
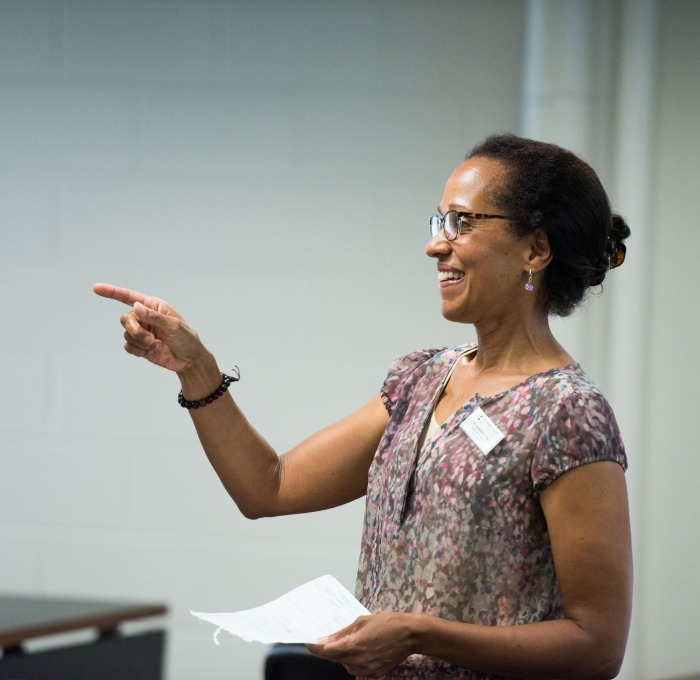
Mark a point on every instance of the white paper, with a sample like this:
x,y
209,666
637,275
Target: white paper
x,y
304,614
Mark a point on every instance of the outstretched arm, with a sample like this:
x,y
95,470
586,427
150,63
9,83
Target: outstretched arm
x,y
327,469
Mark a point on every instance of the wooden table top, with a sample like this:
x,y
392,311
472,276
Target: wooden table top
x,y
23,617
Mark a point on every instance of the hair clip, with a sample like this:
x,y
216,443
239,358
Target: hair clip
x,y
616,253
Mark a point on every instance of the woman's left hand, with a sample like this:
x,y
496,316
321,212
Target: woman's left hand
x,y
371,645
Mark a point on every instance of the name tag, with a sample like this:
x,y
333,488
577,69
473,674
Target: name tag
x,y
481,430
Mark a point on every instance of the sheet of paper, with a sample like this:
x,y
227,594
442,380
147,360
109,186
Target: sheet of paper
x,y
304,614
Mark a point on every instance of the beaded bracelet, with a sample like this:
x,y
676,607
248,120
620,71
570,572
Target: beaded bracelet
x,y
226,380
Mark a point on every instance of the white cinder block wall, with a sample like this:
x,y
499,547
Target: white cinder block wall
x,y
267,167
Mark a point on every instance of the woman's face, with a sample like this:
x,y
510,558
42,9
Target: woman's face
x,y
482,272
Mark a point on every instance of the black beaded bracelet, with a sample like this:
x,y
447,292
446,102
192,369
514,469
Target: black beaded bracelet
x,y
226,380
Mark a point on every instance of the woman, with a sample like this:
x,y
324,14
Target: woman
x,y
496,539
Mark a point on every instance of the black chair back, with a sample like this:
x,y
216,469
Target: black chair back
x,y
296,662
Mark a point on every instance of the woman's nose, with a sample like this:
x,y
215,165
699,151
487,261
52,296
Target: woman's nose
x,y
437,245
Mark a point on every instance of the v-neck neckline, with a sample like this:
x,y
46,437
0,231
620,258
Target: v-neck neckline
x,y
479,398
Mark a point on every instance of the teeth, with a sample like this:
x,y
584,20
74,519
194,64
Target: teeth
x,y
450,276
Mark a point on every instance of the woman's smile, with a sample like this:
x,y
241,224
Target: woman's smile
x,y
448,276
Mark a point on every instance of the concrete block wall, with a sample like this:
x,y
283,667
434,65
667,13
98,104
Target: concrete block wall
x,y
268,168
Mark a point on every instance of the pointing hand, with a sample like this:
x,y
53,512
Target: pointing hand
x,y
154,330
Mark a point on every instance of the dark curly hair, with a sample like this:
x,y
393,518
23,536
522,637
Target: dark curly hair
x,y
549,188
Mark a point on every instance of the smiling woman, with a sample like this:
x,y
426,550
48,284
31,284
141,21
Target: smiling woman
x,y
480,259
496,538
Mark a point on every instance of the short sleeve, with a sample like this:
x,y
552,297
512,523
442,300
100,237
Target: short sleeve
x,y
400,371
580,429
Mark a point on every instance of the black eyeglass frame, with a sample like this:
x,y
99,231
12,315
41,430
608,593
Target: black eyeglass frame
x,y
438,222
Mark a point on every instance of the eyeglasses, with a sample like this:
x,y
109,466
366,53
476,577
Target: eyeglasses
x,y
452,222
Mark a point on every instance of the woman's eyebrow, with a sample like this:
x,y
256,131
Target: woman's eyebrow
x,y
455,207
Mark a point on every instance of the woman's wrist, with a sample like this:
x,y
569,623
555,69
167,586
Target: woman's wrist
x,y
420,626
200,378
226,381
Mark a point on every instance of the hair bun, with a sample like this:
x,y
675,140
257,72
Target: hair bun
x,y
615,250
620,231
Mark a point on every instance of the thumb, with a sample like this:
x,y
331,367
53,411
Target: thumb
x,y
152,317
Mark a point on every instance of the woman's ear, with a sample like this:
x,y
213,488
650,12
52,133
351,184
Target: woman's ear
x,y
539,254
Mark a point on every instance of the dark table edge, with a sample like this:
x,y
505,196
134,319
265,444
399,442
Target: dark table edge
x,y
110,621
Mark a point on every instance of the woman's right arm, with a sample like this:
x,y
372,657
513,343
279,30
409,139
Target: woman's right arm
x,y
327,469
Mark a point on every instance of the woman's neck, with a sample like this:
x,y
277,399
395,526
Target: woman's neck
x,y
519,348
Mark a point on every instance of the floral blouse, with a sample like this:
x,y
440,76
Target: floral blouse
x,y
460,534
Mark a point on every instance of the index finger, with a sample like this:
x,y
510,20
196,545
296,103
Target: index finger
x,y
128,297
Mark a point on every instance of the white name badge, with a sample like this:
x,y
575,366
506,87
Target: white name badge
x,y
481,430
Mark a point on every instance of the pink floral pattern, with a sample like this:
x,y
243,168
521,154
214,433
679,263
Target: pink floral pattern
x,y
455,533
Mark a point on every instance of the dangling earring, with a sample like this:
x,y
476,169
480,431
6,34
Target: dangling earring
x,y
528,285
